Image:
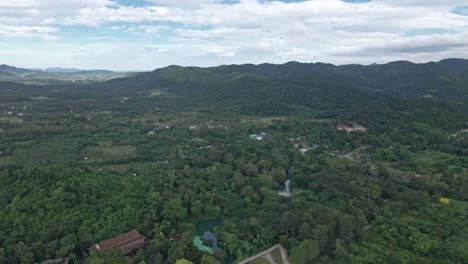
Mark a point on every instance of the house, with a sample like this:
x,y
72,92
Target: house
x,y
343,128
354,128
56,261
255,137
359,128
127,242
304,150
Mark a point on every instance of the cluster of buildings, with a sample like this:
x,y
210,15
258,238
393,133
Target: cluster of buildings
x,y
349,129
303,147
159,127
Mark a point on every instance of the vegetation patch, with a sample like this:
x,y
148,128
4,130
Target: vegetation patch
x,y
11,120
109,152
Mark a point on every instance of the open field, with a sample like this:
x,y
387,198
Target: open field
x,y
109,152
11,120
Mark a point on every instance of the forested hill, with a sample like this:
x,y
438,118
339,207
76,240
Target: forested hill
x,y
447,78
54,76
280,89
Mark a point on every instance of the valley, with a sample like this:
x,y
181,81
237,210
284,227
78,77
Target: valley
x,y
163,151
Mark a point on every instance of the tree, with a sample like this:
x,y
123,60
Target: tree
x,y
174,211
24,253
345,227
183,261
279,175
340,250
207,259
113,256
307,251
67,244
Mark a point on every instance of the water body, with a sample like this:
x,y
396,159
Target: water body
x,y
214,240
287,189
286,186
205,230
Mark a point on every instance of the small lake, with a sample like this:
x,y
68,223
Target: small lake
x,y
204,226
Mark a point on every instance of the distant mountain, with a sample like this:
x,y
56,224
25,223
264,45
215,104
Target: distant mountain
x,y
61,70
12,69
76,71
56,75
86,72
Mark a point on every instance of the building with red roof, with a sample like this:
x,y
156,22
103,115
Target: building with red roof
x,y
127,242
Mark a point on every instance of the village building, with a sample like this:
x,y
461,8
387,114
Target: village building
x,y
255,137
354,128
343,128
358,128
128,243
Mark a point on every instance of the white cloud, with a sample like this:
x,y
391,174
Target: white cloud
x,y
7,31
208,32
184,3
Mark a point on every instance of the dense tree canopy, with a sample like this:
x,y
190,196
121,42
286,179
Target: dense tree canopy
x,y
167,152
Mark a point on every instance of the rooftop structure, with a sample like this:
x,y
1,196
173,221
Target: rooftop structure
x,y
256,137
354,128
127,242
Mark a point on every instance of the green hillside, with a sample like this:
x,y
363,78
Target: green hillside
x,y
168,151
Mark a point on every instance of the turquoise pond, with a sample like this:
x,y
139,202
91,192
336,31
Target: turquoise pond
x,y
204,226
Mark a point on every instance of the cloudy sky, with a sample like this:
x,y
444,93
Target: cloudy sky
x,y
147,34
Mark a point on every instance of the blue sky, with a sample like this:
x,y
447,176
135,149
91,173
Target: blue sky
x,y
147,34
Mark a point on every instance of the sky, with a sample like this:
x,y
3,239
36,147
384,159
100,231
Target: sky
x,y
147,34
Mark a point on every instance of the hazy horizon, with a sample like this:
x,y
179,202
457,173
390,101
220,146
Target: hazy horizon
x,y
220,65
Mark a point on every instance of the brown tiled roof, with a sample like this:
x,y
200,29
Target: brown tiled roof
x,y
118,242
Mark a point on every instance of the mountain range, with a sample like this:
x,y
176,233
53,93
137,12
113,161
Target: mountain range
x,y
12,69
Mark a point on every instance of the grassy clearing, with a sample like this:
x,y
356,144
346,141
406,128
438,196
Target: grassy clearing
x,y
11,120
109,152
253,120
4,160
117,168
320,121
157,92
104,143
430,158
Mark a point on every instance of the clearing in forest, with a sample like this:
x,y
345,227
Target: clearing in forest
x,y
109,152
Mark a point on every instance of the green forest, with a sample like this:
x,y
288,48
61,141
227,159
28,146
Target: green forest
x,y
171,151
